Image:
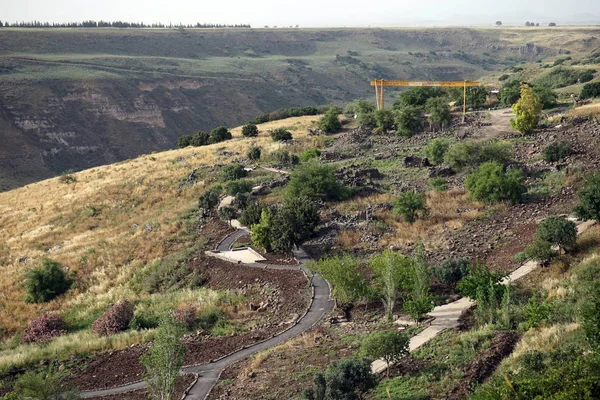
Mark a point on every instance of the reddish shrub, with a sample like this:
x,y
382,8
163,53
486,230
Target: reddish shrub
x,y
114,320
44,328
186,316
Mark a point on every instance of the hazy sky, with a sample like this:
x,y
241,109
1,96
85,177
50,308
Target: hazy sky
x,y
306,12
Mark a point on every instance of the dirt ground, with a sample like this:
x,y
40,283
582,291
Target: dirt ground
x,y
183,382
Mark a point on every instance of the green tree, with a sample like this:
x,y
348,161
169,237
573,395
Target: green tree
x,y
417,96
227,213
411,206
360,107
510,93
546,95
540,251
590,90
490,183
251,214
293,223
479,278
384,120
261,232
242,200
219,134
46,282
314,180
346,379
281,134
368,120
232,172
200,139
207,201
345,275
450,271
589,199
436,149
163,360
43,385
390,346
409,120
420,300
330,122
439,111
250,130
527,111
558,231
254,153
184,141
392,273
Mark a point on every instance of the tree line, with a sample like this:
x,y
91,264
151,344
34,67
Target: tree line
x,y
114,24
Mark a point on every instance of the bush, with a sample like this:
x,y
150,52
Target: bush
x,y
557,151
418,96
562,77
540,251
438,184
185,316
44,328
589,199
67,177
281,134
251,214
232,172
200,139
479,278
450,271
547,96
537,310
241,200
208,200
411,206
254,153
249,130
346,379
439,111
409,120
310,154
384,120
590,316
590,90
239,186
558,231
470,154
219,134
436,150
42,385
360,107
367,120
314,180
391,346
115,320
527,111
347,278
46,282
284,158
184,141
491,184
503,77
227,213
330,122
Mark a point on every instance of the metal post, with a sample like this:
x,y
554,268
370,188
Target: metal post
x,y
382,94
465,102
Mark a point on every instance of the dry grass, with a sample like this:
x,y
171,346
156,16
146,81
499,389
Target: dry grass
x,y
349,239
360,203
587,110
543,339
448,211
95,226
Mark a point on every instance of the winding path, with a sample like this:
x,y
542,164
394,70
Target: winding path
x,y
209,373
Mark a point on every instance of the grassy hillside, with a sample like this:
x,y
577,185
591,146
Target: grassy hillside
x,y
82,98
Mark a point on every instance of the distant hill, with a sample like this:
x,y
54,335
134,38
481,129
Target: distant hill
x,y
74,99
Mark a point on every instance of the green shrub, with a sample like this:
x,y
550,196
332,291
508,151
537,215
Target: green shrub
x,y
227,213
411,206
46,282
310,154
314,180
589,198
281,134
540,251
250,130
436,149
438,184
590,90
558,231
184,141
200,139
557,151
219,134
561,77
43,385
284,158
241,200
251,214
537,311
409,120
208,200
491,184
360,107
470,153
450,271
238,186
384,120
254,153
439,111
479,278
527,111
330,122
390,346
418,96
367,120
347,278
67,177
547,96
533,361
232,172
346,379
503,77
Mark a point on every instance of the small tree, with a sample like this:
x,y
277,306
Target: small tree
x,y
391,346
590,90
419,301
411,206
219,134
241,200
292,224
199,139
164,359
232,172
479,277
409,120
527,111
261,232
589,199
439,111
347,379
384,120
498,23
46,282
250,130
330,122
436,149
208,201
540,251
451,271
251,214
558,231
281,134
184,141
227,213
115,320
315,180
490,183
557,151
393,273
254,153
345,275
367,120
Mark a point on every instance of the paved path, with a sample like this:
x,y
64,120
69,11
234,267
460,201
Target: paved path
x,y
209,373
447,316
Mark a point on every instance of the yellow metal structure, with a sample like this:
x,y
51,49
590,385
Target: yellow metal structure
x,y
381,83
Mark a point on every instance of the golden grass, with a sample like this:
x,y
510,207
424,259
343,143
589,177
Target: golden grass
x,y
448,211
95,226
543,339
587,110
348,239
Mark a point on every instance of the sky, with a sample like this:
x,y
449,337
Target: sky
x,y
307,13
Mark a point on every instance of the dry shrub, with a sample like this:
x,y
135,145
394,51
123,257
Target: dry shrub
x,y
186,316
543,339
349,239
115,320
44,328
360,203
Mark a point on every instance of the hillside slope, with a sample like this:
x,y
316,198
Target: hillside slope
x,y
82,98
